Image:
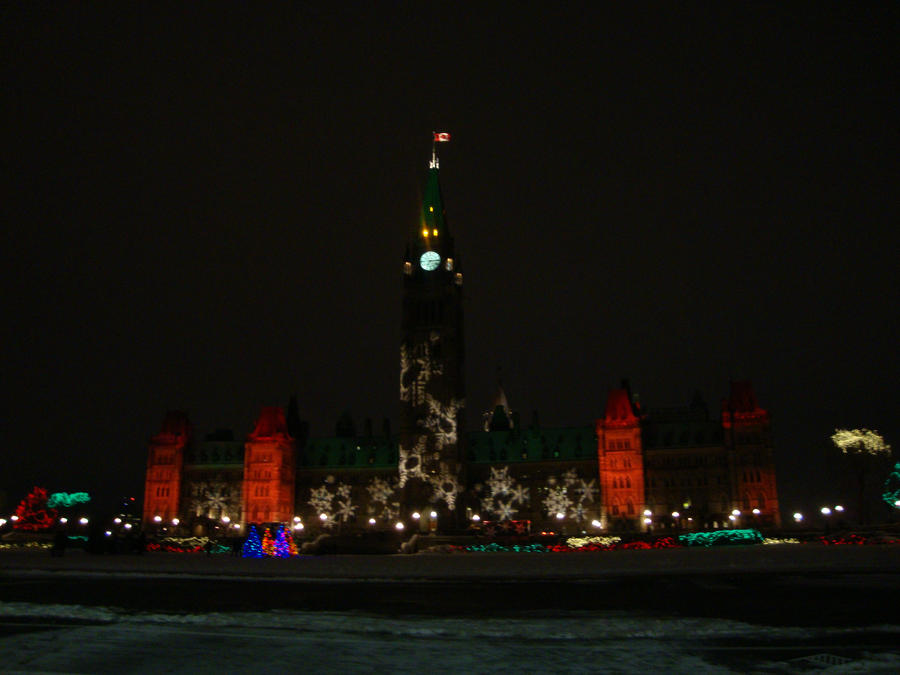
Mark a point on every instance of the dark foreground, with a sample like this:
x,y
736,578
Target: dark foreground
x,y
789,609
774,585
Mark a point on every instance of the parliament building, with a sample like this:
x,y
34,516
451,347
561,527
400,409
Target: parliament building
x,y
631,469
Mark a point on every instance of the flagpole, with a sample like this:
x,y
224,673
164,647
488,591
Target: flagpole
x,y
434,163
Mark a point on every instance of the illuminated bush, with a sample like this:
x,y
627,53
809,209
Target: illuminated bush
x,y
721,538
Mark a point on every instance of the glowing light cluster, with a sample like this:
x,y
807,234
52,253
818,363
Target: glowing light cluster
x,y
67,499
579,542
721,538
860,441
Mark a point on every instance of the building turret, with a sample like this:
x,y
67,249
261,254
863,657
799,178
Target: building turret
x,y
165,459
269,470
620,461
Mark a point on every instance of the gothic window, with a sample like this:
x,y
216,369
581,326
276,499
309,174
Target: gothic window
x,y
627,444
630,508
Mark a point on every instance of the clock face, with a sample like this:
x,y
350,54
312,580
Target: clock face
x,y
430,261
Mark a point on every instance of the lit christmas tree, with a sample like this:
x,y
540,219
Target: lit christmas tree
x,y
252,546
32,513
268,544
292,543
282,548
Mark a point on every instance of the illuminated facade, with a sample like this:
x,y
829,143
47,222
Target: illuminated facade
x,y
632,469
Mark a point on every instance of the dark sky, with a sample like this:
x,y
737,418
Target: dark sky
x,y
210,209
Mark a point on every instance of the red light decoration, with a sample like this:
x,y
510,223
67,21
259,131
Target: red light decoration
x,y
33,514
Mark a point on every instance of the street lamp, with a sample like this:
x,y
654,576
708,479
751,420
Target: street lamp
x,y
798,517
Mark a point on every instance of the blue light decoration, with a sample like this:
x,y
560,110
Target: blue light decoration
x,y
891,493
721,538
282,547
252,546
67,499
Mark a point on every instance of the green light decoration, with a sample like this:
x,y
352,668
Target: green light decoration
x,y
67,499
891,493
721,538
500,548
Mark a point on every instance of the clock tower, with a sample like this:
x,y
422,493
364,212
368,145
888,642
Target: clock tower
x,y
432,392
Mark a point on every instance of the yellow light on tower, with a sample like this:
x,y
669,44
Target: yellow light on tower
x,y
425,232
431,209
434,232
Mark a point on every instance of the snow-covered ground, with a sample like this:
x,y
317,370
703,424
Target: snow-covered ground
x,y
76,639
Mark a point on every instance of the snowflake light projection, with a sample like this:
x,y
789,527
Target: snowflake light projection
x,y
336,506
214,499
410,464
446,487
436,423
584,490
320,499
383,502
441,420
569,494
503,494
556,500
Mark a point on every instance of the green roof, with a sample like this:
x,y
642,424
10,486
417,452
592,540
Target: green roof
x,y
680,434
349,453
532,445
215,453
433,205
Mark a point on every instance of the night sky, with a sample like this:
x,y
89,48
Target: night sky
x,y
209,212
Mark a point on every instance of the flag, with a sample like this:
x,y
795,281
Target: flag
x,y
441,137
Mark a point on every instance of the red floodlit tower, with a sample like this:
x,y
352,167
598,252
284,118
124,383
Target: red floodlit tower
x,y
269,470
620,460
748,445
164,462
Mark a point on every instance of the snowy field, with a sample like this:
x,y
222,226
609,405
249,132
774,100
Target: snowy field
x,y
785,609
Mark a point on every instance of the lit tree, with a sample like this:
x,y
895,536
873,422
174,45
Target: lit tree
x,y
268,544
862,447
282,547
33,514
252,546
